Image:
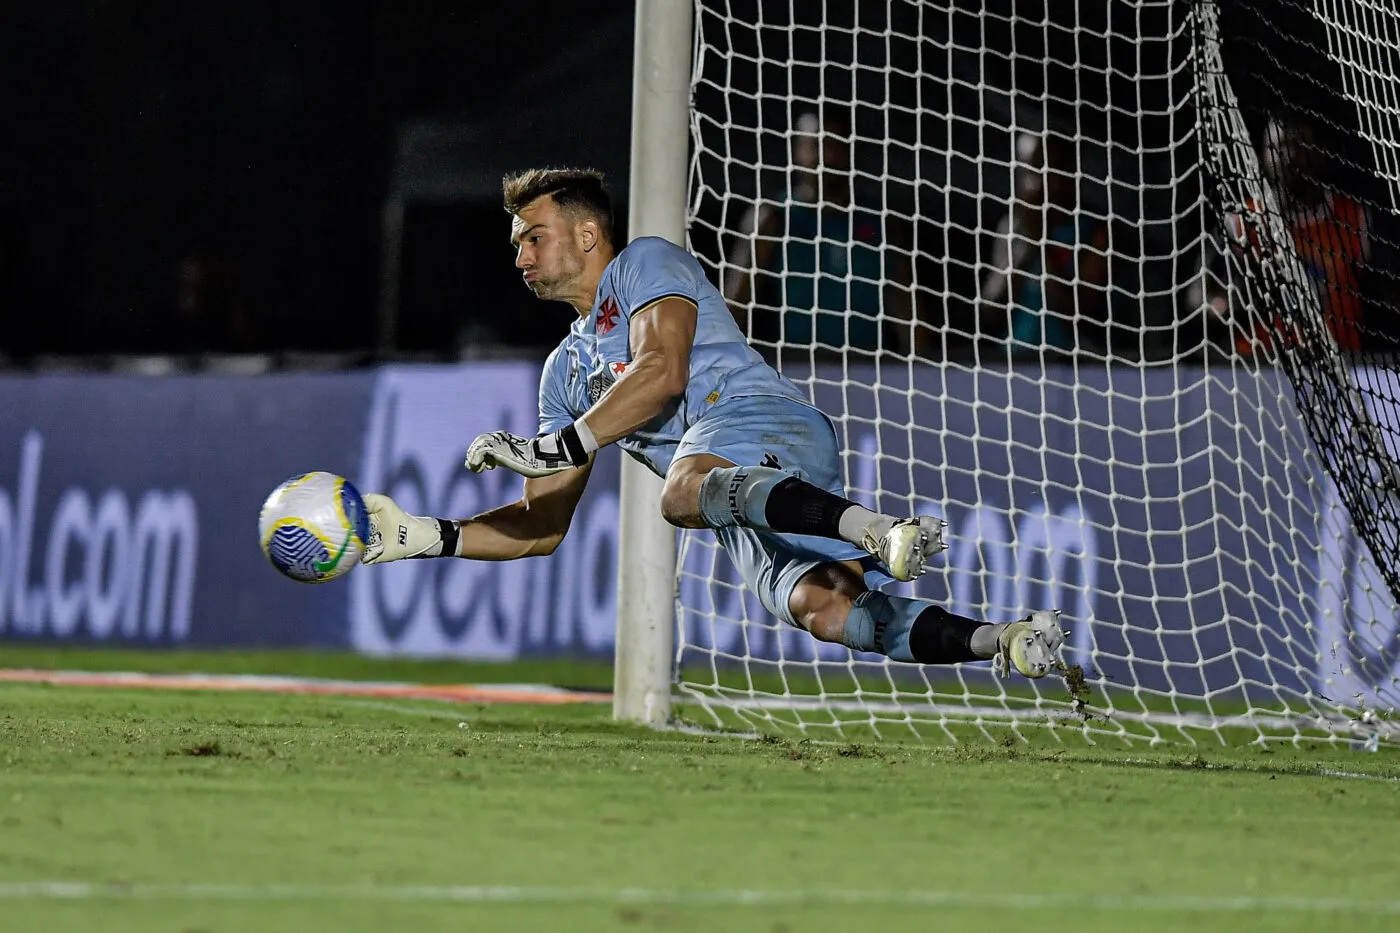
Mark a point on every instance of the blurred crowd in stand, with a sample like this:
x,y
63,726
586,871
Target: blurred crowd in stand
x,y
1334,254
812,269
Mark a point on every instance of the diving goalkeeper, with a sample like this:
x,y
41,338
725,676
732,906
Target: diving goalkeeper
x,y
656,364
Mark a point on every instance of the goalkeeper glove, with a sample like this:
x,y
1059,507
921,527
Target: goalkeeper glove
x,y
396,535
562,450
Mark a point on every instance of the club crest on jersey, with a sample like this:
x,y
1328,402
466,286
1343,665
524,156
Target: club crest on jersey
x,y
618,368
608,315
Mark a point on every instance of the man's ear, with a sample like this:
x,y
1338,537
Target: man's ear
x,y
589,236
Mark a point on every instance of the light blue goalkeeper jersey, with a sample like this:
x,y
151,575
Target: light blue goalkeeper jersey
x,y
597,350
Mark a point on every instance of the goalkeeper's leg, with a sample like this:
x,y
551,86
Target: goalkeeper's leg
x,y
773,464
826,588
771,499
833,603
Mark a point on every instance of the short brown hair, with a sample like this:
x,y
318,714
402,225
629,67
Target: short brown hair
x,y
575,190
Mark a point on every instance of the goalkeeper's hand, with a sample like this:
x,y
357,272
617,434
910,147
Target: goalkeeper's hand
x,y
533,457
396,535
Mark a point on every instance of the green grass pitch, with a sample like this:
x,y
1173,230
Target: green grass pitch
x,y
201,811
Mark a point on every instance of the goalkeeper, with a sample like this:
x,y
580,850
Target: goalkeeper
x,y
656,364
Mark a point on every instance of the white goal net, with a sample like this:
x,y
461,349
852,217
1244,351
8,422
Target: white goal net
x,y
1111,295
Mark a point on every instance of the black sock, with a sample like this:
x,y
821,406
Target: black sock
x,y
799,508
939,637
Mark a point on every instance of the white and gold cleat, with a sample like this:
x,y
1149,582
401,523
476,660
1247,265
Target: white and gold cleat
x,y
1031,646
906,548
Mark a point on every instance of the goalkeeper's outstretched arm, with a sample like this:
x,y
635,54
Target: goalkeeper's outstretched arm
x,y
532,526
660,338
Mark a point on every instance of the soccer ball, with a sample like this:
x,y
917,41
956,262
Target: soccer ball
x,y
314,527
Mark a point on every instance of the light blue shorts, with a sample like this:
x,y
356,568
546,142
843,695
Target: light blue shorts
x,y
772,431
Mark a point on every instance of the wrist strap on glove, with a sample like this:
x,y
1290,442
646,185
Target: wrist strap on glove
x,y
578,442
570,445
450,533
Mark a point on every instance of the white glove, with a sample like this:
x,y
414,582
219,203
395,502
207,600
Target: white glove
x,y
396,535
540,456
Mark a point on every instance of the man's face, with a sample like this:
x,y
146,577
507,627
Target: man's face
x,y
549,248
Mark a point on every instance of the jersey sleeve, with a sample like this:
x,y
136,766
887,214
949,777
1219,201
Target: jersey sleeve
x,y
651,269
554,408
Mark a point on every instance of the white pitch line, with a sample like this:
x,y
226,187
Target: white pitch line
x,y
720,897
1358,775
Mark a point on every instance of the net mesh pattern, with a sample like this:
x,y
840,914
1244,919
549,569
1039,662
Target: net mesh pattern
x,y
1110,289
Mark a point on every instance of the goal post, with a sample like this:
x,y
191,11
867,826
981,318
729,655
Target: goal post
x,y
661,71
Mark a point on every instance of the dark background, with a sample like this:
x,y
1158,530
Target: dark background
x,y
137,134
261,141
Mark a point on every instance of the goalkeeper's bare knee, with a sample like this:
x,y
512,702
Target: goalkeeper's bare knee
x,y
680,502
680,498
822,600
